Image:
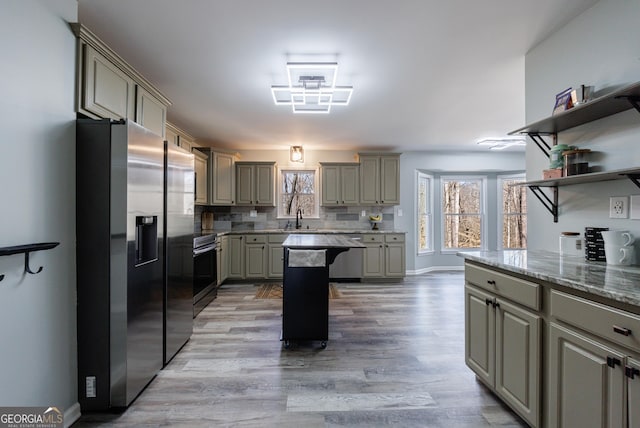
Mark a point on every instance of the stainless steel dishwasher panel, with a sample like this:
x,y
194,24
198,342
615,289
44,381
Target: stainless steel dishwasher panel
x,y
348,265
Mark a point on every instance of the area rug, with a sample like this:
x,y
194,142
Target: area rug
x,y
274,291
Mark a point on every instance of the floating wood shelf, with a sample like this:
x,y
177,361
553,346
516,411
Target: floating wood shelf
x,y
26,249
551,204
607,105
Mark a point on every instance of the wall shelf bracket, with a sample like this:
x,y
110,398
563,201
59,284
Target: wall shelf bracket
x,y
549,204
541,143
635,178
634,100
27,249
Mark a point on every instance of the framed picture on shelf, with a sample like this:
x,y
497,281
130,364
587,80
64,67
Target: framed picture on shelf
x,y
563,101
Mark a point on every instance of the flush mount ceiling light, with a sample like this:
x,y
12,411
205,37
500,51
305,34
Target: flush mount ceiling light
x,y
312,88
502,143
296,154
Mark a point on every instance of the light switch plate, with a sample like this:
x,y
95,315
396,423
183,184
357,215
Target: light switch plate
x,y
634,207
619,207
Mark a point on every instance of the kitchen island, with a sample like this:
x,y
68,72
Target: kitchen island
x,y
305,294
557,338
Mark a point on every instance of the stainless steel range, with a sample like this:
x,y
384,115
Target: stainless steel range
x,y
205,270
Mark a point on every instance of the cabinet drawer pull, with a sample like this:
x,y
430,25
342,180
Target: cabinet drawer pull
x,y
631,372
488,301
491,282
622,330
612,362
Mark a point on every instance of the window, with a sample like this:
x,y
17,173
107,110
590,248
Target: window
x,y
424,217
463,212
512,222
297,190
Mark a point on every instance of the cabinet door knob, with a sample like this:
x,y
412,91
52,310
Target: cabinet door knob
x,y
622,330
488,301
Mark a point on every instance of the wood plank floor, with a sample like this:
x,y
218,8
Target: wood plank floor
x,y
395,357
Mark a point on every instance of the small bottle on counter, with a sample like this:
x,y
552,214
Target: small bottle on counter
x,y
571,244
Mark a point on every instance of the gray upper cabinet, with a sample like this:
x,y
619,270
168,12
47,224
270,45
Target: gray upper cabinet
x,y
340,184
107,91
150,112
177,136
108,87
255,183
171,134
379,179
223,185
202,177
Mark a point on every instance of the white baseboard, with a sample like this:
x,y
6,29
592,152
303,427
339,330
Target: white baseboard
x,y
434,269
71,415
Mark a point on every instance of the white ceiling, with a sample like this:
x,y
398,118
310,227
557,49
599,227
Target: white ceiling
x,y
427,74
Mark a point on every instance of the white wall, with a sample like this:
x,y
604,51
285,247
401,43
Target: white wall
x,y
599,48
37,196
489,163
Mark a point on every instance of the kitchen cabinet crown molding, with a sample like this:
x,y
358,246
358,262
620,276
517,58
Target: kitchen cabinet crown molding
x,y
179,131
88,37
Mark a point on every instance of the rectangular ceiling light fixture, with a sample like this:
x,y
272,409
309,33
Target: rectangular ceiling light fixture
x,y
502,143
311,88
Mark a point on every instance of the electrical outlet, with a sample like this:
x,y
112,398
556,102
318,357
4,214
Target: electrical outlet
x,y
363,213
619,207
253,213
90,387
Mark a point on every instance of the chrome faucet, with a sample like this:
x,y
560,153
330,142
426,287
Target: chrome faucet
x,y
298,218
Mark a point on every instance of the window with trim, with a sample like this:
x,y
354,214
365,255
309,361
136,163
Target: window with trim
x,y
463,212
512,212
424,216
297,190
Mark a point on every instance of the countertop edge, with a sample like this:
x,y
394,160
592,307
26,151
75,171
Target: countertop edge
x,y
605,289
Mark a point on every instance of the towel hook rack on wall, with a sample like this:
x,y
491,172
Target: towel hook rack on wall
x,y
26,249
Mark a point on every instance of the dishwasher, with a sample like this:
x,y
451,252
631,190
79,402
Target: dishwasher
x,y
347,266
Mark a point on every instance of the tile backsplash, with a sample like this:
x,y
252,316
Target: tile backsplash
x,y
238,218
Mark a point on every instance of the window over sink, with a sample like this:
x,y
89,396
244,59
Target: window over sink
x,y
297,189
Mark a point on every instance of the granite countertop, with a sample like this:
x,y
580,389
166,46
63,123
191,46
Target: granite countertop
x,y
620,283
302,231
320,241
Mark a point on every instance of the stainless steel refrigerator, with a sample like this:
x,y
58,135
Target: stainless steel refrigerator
x,y
120,268
179,207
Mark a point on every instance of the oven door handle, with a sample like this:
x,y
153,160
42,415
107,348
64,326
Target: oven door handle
x,y
202,250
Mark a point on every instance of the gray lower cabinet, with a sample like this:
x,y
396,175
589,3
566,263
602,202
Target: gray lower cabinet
x,y
384,256
236,257
502,346
591,370
632,371
255,248
374,258
594,376
276,255
223,266
503,336
584,390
